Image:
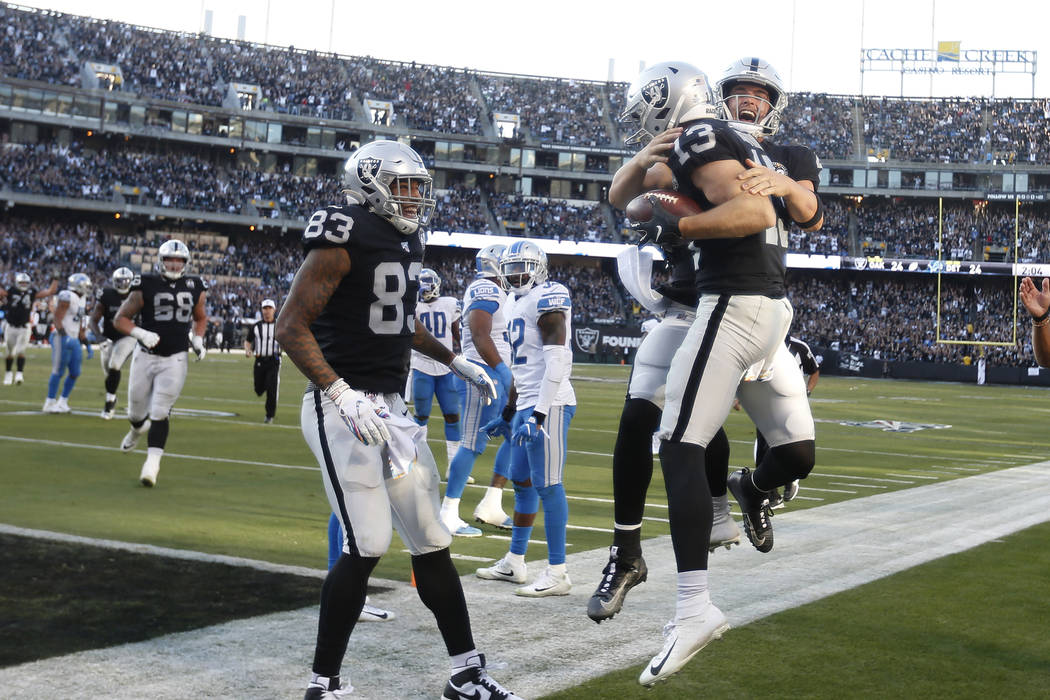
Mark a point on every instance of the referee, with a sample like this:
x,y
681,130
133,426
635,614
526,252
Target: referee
x,y
262,342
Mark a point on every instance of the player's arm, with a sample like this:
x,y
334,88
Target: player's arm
x,y
811,382
95,320
463,368
248,341
557,361
645,171
800,196
1037,302
124,322
736,213
60,313
50,291
313,286
424,341
200,325
457,344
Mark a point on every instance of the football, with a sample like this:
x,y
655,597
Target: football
x,y
641,210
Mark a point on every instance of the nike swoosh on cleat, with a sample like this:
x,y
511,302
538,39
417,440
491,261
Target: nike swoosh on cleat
x,y
655,670
464,696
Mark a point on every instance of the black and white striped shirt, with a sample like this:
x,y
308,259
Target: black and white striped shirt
x,y
264,339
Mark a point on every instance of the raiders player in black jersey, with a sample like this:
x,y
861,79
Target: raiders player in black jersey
x,y
115,346
167,304
18,308
349,324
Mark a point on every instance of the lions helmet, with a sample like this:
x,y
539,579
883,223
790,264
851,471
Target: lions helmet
x,y
486,262
122,279
392,180
753,71
522,266
79,283
664,96
22,281
168,255
429,285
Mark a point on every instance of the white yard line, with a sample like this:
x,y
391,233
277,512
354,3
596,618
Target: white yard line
x,y
549,643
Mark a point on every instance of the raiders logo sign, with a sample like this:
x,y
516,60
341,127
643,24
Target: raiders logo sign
x,y
656,92
587,339
368,168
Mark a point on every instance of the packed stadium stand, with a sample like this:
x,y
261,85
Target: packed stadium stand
x,y
114,136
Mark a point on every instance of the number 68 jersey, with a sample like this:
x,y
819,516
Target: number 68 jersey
x,y
167,309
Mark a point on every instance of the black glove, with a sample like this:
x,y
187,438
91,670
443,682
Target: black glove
x,y
661,228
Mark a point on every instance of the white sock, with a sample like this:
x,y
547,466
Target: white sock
x,y
450,509
154,453
111,397
515,558
469,658
451,448
493,495
557,569
693,595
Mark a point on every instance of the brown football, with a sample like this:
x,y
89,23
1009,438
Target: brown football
x,y
641,210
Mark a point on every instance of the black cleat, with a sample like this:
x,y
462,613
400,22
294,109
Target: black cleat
x,y
618,577
754,504
474,683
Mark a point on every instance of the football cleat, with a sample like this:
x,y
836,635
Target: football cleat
x,y
132,438
327,689
682,641
9,378
108,410
474,683
150,469
790,491
62,405
776,499
724,530
618,577
19,378
50,406
461,529
546,584
493,516
371,613
754,504
504,570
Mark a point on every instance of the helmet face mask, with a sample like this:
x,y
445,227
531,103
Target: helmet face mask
x,y
429,285
664,96
173,259
79,283
122,279
391,179
522,266
22,281
751,71
486,262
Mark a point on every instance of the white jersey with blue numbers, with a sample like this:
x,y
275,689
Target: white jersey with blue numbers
x,y
74,314
438,317
486,295
527,345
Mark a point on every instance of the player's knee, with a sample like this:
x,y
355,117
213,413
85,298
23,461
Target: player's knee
x,y
373,543
716,455
797,457
421,420
640,415
451,418
526,497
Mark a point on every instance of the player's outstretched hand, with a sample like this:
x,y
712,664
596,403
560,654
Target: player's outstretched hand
x,y
661,228
470,372
1036,301
365,418
528,431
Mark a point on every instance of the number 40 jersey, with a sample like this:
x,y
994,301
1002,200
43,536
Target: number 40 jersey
x,y
167,309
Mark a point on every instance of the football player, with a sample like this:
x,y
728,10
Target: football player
x,y
430,378
487,344
115,346
540,326
171,318
348,324
18,306
66,353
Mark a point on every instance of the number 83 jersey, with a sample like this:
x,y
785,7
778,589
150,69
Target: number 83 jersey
x,y
167,309
365,330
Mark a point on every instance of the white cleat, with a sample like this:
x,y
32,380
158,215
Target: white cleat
x,y
724,530
371,613
62,405
18,378
493,516
132,438
547,583
504,570
107,414
150,469
50,406
683,639
9,378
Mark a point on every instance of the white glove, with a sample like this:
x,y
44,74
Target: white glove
x,y
149,339
470,372
363,416
198,347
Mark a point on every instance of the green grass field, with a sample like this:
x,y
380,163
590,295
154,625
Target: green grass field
x,y
231,485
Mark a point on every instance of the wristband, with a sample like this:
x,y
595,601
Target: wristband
x,y
1040,324
1045,316
508,412
539,418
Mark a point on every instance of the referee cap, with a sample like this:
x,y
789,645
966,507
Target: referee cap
x,y
269,303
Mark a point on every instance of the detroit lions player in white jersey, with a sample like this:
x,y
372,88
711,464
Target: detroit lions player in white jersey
x,y
486,343
430,378
540,328
66,353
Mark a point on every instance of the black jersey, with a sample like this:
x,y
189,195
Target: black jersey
x,y
749,265
681,284
110,299
19,305
797,162
365,331
167,309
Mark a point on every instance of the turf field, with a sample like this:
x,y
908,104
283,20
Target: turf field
x,y
230,485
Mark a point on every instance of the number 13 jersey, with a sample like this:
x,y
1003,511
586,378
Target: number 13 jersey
x,y
167,309
365,330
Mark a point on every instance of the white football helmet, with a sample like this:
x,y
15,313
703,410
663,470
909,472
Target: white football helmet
x,y
167,255
392,180
664,96
22,281
753,71
429,285
79,283
122,279
522,266
486,262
